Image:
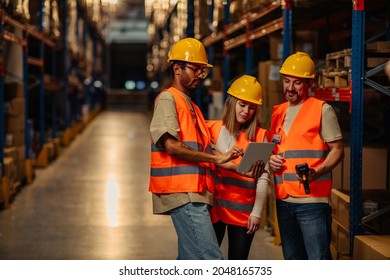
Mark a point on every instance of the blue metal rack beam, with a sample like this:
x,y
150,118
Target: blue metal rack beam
x,y
287,25
94,74
226,57
210,49
248,50
2,101
27,139
86,88
190,19
42,136
65,63
358,26
41,83
53,96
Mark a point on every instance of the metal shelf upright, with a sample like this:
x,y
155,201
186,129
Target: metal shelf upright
x,y
356,141
226,56
65,65
2,123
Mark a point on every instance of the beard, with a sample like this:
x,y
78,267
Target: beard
x,y
291,95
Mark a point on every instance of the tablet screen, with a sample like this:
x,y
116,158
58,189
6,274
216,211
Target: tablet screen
x,y
254,152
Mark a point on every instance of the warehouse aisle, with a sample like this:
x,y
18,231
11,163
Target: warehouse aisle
x,y
92,202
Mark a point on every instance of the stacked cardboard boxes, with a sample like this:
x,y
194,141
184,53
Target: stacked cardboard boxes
x,y
377,53
271,81
373,201
15,149
374,168
375,195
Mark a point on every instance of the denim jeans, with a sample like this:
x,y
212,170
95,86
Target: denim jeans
x,y
305,230
195,232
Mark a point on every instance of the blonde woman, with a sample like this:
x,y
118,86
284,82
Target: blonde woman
x,y
238,197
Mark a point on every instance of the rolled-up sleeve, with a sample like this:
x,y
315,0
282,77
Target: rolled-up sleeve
x,y
164,118
330,128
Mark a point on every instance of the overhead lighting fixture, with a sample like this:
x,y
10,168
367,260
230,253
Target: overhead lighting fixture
x,y
130,85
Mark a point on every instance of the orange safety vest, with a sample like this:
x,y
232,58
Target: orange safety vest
x,y
170,174
304,145
234,195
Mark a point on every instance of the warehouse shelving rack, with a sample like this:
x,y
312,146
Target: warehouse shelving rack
x,y
243,32
29,33
352,94
248,29
46,58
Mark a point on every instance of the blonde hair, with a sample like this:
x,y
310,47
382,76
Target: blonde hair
x,y
229,119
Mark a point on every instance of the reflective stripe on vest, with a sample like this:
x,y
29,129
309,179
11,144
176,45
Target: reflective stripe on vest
x,y
170,174
307,147
234,194
235,205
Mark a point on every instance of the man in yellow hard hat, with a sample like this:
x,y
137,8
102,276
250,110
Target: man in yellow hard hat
x,y
182,162
308,146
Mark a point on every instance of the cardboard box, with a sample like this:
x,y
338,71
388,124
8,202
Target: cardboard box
x,y
15,138
271,82
14,123
306,41
15,107
375,61
379,46
9,167
374,168
371,247
337,176
372,200
340,207
13,90
340,239
276,47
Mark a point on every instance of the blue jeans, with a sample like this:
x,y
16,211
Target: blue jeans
x,y
195,232
305,230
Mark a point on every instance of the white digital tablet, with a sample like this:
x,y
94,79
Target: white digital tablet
x,y
255,152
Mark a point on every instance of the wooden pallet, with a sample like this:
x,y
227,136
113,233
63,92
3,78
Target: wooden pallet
x,y
339,61
334,79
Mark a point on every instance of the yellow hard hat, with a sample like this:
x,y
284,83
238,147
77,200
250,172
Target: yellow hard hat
x,y
189,50
247,88
299,65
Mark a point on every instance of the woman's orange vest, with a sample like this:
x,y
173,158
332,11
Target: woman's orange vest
x,y
302,145
171,174
234,195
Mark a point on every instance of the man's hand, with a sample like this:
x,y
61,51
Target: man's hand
x,y
276,162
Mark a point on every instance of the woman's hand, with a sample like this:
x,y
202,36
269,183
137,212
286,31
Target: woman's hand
x,y
253,224
256,170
